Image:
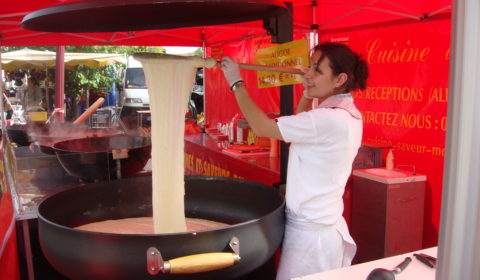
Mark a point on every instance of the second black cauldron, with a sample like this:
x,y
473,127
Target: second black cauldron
x,y
103,158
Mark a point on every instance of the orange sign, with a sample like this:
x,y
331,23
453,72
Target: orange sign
x,y
290,55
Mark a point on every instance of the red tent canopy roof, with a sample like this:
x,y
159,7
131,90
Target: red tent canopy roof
x,y
323,16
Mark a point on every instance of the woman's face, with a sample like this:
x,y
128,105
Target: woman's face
x,y
321,81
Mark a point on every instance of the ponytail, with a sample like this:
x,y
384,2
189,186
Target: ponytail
x,y
360,74
344,60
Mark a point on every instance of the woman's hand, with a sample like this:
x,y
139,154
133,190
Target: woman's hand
x,y
261,124
231,71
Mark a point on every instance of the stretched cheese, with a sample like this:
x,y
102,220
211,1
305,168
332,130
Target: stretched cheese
x,y
170,80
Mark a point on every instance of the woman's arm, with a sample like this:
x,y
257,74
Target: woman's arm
x,y
260,123
304,105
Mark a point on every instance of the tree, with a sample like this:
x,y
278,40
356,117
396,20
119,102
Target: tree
x,y
127,50
82,80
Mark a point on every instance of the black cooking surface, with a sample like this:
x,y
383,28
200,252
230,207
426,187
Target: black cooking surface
x,y
132,15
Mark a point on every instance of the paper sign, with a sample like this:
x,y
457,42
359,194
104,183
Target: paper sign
x,y
262,42
217,53
119,154
290,55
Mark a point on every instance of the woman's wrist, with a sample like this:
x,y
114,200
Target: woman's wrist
x,y
236,85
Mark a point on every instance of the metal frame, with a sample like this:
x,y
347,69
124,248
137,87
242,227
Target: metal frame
x,y
459,244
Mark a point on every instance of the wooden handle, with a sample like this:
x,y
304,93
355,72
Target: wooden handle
x,y
270,68
259,67
89,111
202,262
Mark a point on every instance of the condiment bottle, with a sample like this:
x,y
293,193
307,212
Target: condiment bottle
x,y
389,160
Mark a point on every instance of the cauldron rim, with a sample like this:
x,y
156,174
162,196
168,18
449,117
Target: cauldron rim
x,y
183,233
241,224
59,150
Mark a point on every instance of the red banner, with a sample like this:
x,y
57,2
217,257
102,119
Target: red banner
x,y
404,106
218,91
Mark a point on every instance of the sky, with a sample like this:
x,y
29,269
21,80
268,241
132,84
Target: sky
x,y
180,50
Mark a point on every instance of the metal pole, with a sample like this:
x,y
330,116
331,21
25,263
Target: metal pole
x,y
47,96
285,32
60,77
2,110
459,244
204,50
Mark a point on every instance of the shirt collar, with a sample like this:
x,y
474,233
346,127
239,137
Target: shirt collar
x,y
342,101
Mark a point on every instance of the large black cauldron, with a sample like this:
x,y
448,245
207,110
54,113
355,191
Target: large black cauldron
x,y
94,159
18,133
255,212
24,134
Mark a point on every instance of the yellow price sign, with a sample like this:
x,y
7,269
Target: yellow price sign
x,y
290,55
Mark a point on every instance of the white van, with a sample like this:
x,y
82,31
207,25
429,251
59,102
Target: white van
x,y
134,94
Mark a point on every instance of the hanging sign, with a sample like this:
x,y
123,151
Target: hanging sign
x,y
217,53
290,55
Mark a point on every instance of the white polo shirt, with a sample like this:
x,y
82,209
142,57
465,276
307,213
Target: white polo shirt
x,y
324,143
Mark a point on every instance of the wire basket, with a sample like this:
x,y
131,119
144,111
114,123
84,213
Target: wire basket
x,y
102,118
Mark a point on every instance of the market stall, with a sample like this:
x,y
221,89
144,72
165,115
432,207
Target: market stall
x,y
28,59
420,123
20,65
265,253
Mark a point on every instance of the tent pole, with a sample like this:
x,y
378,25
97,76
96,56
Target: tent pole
x,y
1,98
60,77
285,34
47,96
459,243
204,50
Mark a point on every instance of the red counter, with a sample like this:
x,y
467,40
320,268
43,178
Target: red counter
x,y
204,156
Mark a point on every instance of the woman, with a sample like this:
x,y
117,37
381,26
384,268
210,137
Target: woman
x,y
324,142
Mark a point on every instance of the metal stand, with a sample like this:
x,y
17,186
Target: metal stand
x,y
140,117
116,121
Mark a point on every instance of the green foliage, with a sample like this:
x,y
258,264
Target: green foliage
x,y
38,48
127,50
199,52
79,80
82,78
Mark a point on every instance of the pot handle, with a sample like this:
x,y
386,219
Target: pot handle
x,y
201,263
192,263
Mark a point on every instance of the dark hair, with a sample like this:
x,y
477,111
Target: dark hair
x,y
34,81
344,60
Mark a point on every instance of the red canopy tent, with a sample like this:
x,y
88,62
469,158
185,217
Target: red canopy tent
x,y
320,16
323,17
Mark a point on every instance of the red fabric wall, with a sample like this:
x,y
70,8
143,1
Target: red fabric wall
x,y
405,104
220,104
9,268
